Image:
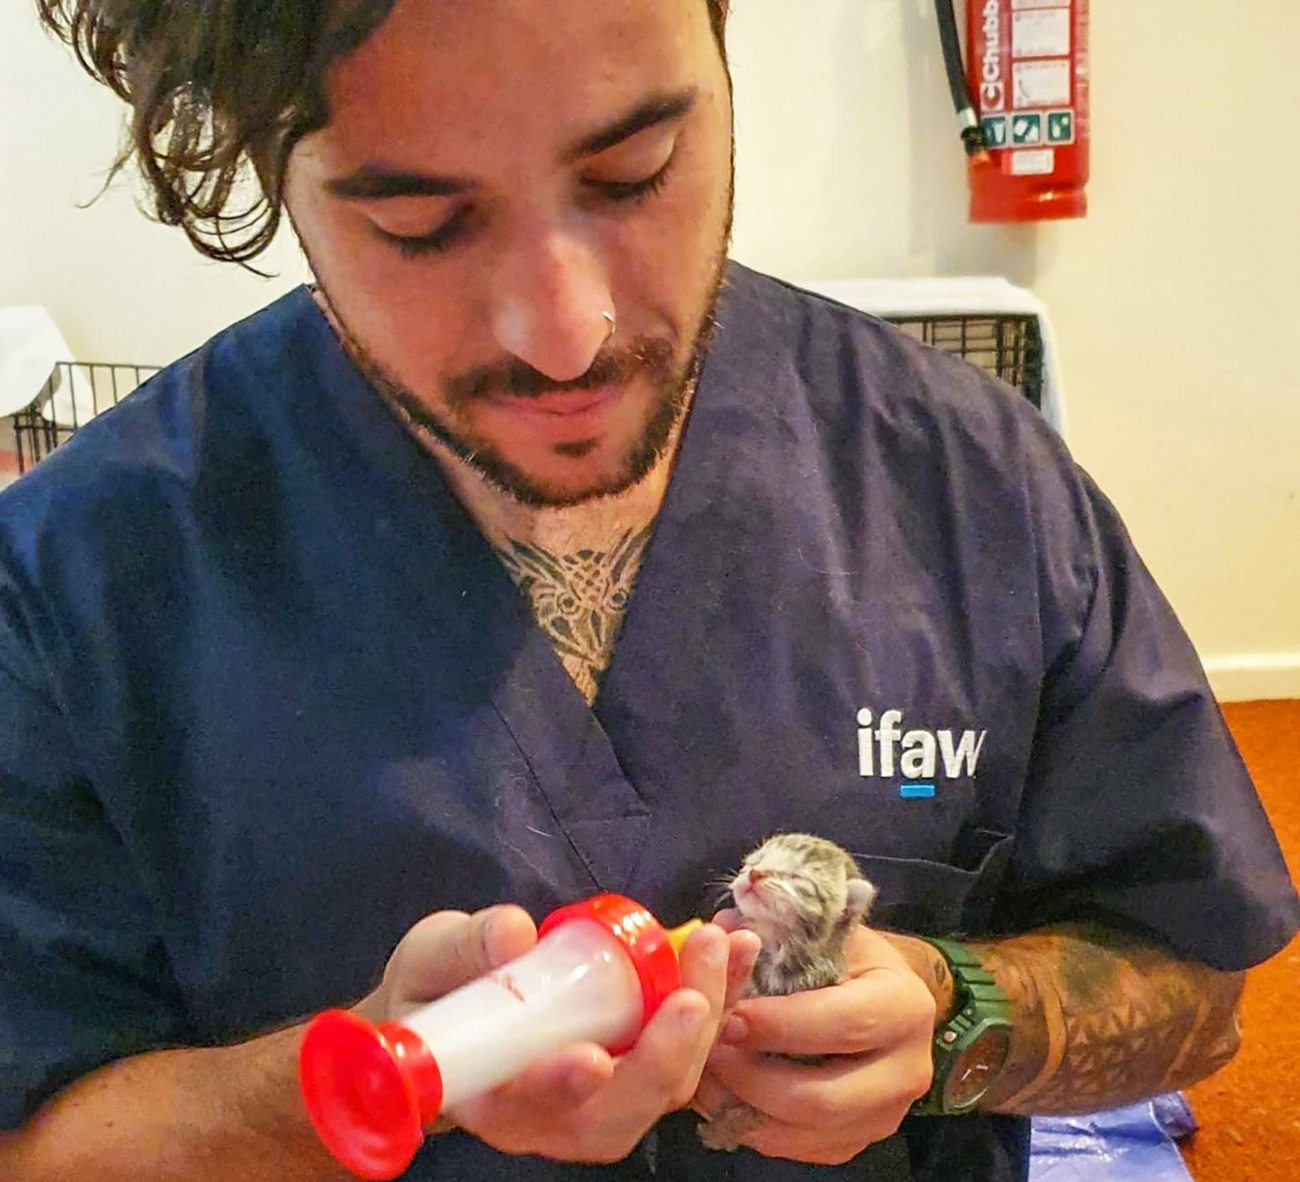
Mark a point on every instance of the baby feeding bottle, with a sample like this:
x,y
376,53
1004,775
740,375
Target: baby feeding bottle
x,y
599,971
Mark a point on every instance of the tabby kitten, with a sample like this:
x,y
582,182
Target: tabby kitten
x,y
803,896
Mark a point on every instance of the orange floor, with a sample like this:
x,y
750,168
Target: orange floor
x,y
1249,1113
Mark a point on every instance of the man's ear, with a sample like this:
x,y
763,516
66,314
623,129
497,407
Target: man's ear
x,y
861,894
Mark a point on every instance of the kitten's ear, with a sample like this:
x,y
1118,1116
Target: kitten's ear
x,y
861,894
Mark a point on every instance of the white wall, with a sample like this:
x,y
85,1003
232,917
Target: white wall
x,y
1175,301
120,287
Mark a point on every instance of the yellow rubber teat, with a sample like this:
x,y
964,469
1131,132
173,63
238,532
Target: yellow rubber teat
x,y
679,935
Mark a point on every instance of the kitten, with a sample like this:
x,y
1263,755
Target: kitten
x,y
803,896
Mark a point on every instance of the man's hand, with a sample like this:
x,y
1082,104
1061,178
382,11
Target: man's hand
x,y
578,1104
876,1032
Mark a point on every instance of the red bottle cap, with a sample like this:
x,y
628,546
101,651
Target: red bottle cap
x,y
642,938
369,1091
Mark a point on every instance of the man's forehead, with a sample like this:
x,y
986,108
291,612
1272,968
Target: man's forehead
x,y
467,70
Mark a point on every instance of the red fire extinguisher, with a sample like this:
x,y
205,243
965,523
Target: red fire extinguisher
x,y
1022,101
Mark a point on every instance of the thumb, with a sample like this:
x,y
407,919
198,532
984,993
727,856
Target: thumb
x,y
449,949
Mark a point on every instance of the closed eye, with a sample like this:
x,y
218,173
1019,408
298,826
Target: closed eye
x,y
445,236
631,192
432,243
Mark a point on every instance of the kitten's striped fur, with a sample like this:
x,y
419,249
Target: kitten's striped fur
x,y
803,896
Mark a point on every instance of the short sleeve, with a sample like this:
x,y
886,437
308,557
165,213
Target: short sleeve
x,y
83,977
1137,803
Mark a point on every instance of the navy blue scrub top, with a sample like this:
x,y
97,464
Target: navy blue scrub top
x,y
269,698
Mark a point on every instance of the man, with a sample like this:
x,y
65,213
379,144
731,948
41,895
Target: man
x,y
538,551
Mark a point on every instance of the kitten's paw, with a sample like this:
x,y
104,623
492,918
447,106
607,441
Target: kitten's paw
x,y
725,1128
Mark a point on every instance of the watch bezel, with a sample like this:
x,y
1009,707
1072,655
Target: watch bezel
x,y
981,1009
986,1029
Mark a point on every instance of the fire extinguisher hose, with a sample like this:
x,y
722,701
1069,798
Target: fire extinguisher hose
x,y
972,134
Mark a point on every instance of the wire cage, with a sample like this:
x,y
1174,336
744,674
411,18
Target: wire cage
x,y
75,392
1006,346
1009,347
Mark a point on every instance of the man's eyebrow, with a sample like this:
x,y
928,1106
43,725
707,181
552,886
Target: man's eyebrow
x,y
658,108
373,182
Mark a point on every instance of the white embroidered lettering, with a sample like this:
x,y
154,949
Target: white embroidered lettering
x,y
966,752
918,755
888,735
865,759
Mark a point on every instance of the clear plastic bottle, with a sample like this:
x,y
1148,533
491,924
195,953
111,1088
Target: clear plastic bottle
x,y
599,971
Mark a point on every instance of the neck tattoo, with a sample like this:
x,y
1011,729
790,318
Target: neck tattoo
x,y
576,563
578,599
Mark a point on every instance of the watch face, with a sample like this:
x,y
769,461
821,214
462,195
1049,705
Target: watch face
x,y
976,1068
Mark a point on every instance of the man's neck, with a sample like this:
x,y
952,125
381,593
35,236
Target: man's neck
x,y
576,564
599,522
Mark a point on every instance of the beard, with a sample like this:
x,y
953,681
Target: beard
x,y
648,358
645,358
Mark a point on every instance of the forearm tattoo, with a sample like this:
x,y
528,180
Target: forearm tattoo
x,y
1103,1020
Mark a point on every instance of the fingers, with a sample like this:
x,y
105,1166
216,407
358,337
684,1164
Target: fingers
x,y
728,919
579,1105
670,1055
712,1096
449,948
711,948
506,932
866,1014
555,1085
569,1076
817,1146
866,1094
662,1071
882,1005
704,961
811,1114
743,948
791,1090
872,1037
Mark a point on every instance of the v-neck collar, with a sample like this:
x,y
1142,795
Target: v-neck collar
x,y
452,568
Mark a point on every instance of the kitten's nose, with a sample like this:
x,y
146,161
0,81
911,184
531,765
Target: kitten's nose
x,y
757,875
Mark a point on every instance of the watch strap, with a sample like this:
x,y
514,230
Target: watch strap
x,y
978,1004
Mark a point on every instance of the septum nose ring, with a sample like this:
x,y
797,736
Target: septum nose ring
x,y
609,319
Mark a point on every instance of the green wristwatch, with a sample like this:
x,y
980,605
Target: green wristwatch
x,y
970,1049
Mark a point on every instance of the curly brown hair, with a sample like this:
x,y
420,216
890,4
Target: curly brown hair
x,y
217,87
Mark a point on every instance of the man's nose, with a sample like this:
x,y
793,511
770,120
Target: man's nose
x,y
551,304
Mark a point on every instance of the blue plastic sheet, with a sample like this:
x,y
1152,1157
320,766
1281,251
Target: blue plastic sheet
x,y
1133,1144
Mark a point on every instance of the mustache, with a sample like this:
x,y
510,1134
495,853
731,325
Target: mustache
x,y
518,379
